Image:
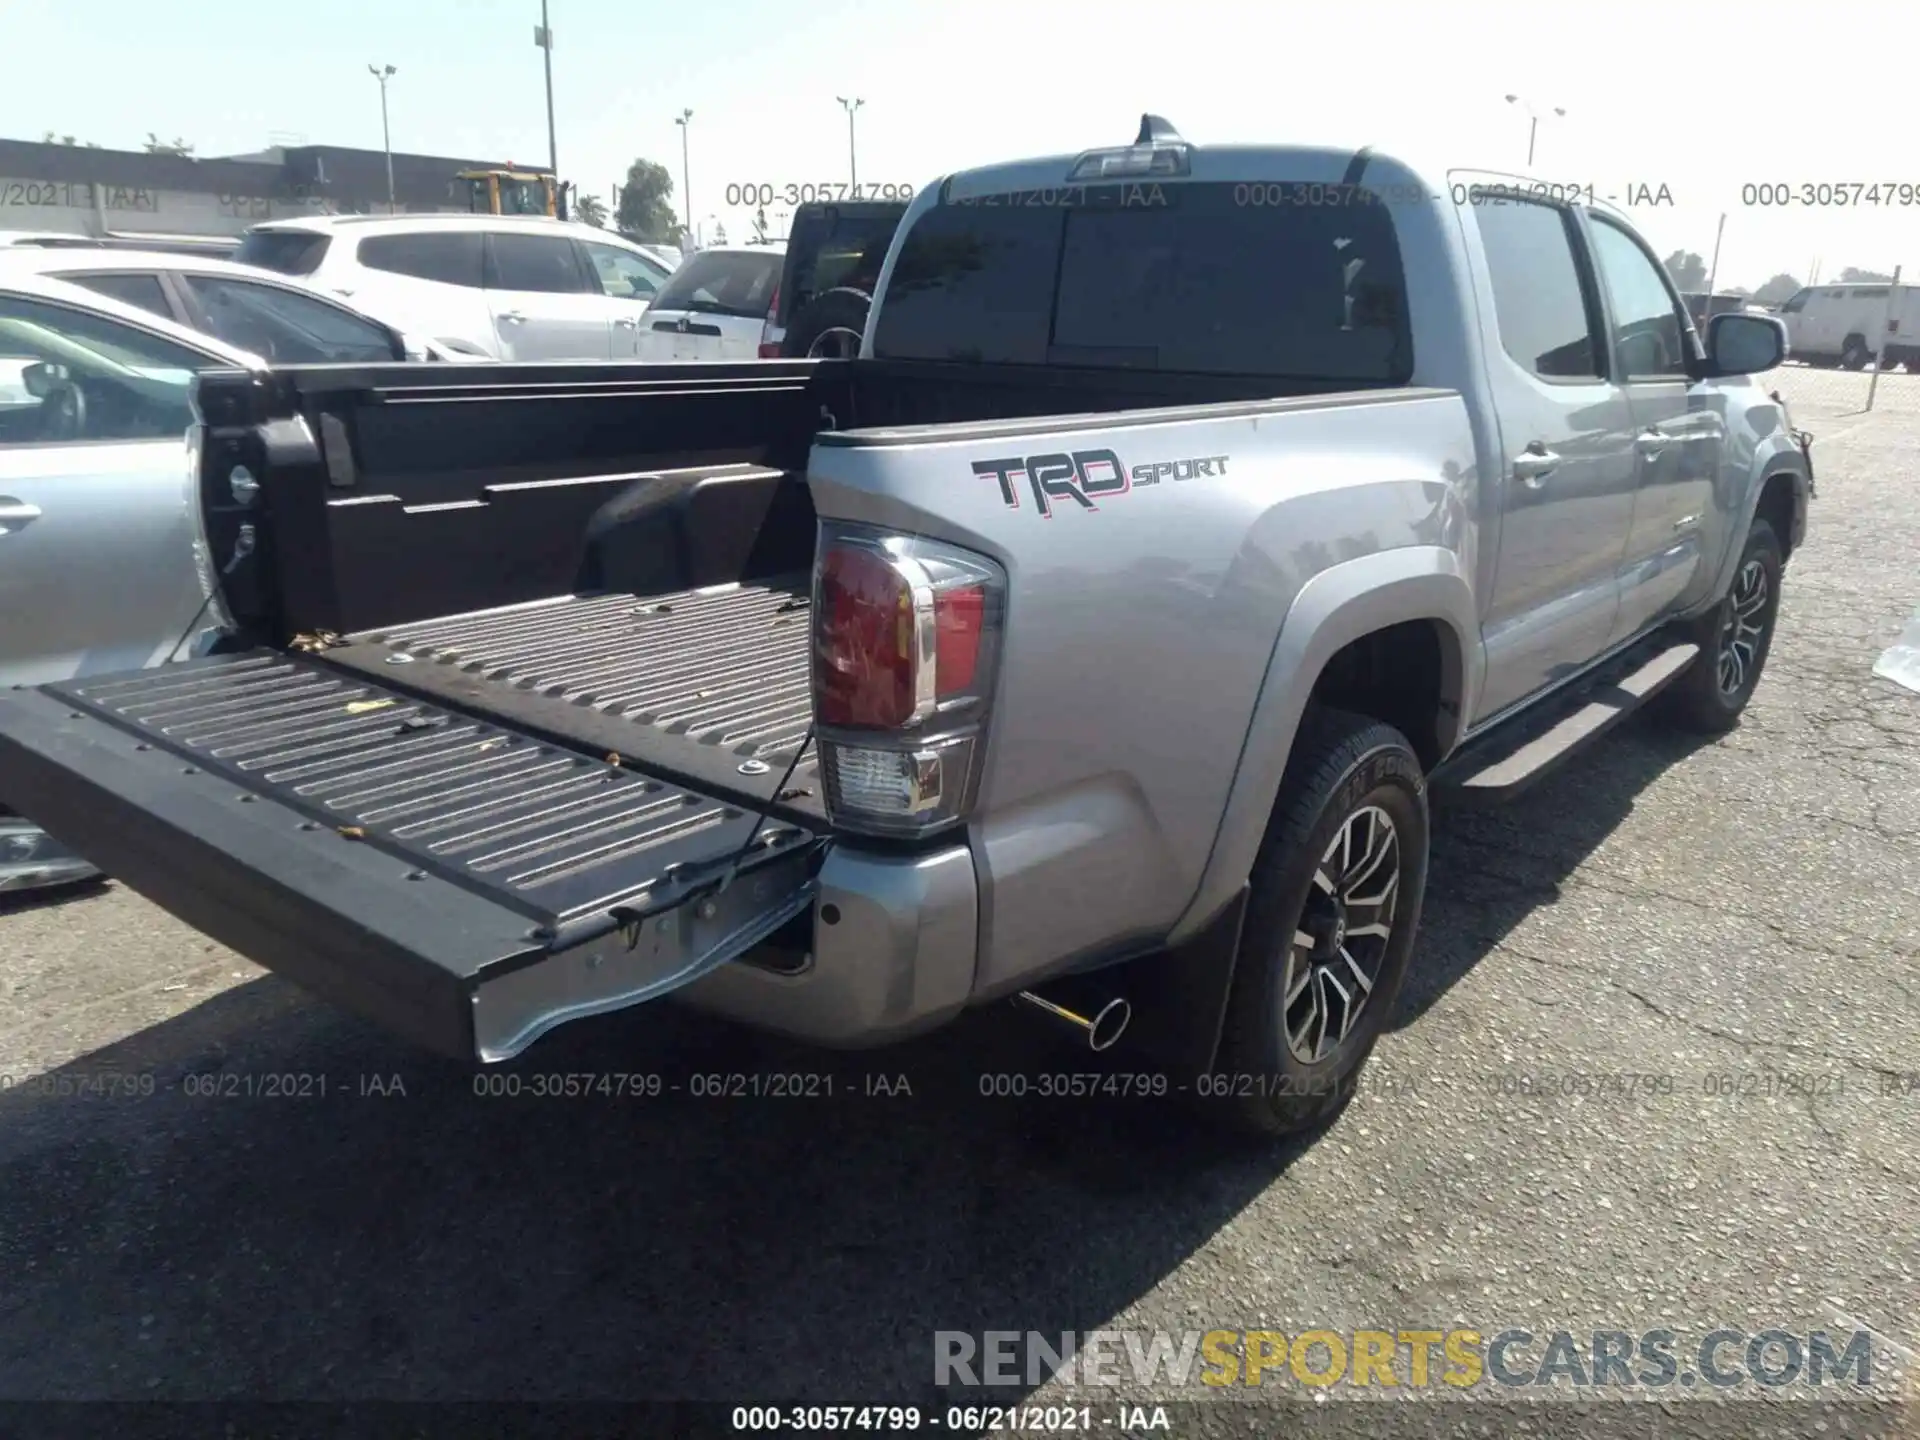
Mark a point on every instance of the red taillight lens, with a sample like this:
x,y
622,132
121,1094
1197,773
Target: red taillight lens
x,y
958,617
769,349
864,641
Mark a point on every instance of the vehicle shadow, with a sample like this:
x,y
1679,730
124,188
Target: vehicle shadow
x,y
274,1201
53,896
1494,865
200,1229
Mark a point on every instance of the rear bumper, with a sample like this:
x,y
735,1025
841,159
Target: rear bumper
x,y
894,942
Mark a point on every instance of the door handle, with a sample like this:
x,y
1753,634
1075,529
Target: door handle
x,y
512,317
1534,464
627,322
1652,442
15,514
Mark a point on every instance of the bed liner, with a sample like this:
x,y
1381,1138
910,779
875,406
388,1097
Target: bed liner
x,y
710,686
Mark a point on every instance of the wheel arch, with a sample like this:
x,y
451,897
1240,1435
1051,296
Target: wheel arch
x,y
1396,631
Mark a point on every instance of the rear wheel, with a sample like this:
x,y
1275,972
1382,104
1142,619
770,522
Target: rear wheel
x,y
829,326
1335,902
1735,638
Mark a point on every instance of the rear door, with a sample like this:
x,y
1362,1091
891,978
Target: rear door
x,y
99,566
431,282
1566,484
714,307
1679,432
545,305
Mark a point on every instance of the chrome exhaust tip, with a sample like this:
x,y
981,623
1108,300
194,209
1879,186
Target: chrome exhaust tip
x,y
1103,1028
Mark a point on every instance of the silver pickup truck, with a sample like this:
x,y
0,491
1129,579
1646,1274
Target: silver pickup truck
x,y
1095,637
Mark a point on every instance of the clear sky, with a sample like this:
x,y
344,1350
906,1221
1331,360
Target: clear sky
x,y
1702,98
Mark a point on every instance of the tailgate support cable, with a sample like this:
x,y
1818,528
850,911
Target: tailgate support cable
x,y
766,813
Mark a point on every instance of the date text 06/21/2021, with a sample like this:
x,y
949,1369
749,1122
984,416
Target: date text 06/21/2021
x,y
76,195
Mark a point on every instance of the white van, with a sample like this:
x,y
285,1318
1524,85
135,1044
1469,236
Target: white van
x,y
1844,324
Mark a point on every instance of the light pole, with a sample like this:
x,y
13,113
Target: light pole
x,y
686,182
384,73
1533,121
853,164
543,37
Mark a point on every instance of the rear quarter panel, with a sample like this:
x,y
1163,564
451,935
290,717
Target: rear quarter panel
x,y
1141,628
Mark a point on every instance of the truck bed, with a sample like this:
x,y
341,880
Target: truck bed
x,y
710,685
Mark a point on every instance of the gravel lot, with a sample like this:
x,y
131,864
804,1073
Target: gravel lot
x,y
1745,908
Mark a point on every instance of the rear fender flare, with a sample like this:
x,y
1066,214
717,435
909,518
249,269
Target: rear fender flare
x,y
1339,605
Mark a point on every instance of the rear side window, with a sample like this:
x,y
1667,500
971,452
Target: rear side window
x,y
142,290
543,263
834,248
1185,277
452,257
285,327
291,252
1872,294
1539,302
717,283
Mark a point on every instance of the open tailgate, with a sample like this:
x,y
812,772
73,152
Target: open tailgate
x,y
459,883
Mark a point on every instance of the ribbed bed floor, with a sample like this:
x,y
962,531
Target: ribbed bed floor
x,y
701,682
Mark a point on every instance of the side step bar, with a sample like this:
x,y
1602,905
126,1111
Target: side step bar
x,y
452,880
1508,759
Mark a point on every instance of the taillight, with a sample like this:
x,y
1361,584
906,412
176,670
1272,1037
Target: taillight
x,y
906,638
771,334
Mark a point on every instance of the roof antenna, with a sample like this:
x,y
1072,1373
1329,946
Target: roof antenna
x,y
1157,130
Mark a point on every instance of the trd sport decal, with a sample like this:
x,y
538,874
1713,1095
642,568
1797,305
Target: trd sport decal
x,y
1085,476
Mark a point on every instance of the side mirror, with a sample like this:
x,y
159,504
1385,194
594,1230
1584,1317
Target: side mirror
x,y
1740,344
44,378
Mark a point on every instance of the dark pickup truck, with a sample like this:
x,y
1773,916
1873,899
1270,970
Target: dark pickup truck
x,y
1097,635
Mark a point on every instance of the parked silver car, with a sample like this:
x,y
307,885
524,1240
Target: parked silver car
x,y
262,313
101,567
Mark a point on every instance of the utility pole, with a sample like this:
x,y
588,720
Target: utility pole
x,y
384,74
1533,121
1880,347
686,181
1713,270
543,37
853,163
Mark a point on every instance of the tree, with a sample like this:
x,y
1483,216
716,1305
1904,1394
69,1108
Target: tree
x,y
156,146
1851,276
645,212
760,226
719,233
1780,288
590,210
1688,270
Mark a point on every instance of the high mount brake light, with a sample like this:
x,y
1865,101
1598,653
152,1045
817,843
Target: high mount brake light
x,y
906,639
1136,160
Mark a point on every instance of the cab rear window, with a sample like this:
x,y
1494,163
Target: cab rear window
x,y
1192,277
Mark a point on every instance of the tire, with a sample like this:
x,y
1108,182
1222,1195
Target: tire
x,y
1348,774
1711,695
831,319
1854,355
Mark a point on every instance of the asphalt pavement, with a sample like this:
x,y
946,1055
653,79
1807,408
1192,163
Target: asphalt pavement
x,y
1741,917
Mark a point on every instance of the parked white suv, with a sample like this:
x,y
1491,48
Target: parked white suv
x,y
508,287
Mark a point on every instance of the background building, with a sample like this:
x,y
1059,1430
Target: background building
x,y
86,190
